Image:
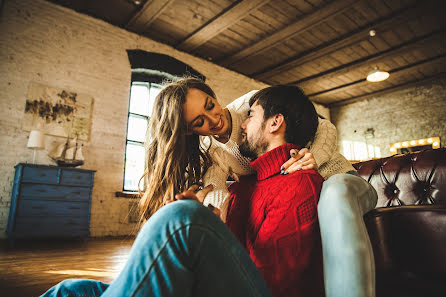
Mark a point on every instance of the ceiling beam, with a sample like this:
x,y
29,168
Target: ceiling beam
x,y
305,23
431,39
390,90
382,25
147,14
393,74
220,23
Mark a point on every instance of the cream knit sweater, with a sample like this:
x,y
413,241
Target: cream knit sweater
x,y
227,160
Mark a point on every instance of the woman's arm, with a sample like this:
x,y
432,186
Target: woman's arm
x,y
217,175
325,142
219,196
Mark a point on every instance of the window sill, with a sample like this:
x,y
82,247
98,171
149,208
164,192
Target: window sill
x,y
130,195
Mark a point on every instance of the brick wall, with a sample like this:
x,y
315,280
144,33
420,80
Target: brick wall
x,y
415,113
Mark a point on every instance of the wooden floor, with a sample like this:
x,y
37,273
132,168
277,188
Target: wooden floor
x,y
30,268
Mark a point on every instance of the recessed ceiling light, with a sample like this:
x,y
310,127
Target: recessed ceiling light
x,y
372,33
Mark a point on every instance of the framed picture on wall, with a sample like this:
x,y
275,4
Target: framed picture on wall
x,y
58,112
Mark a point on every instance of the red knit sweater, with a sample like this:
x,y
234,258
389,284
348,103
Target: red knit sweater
x,y
275,218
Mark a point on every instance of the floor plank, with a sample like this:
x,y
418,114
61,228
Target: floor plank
x,y
31,267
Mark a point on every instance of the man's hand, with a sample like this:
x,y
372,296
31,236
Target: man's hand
x,y
299,160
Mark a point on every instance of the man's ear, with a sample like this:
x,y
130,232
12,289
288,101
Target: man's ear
x,y
277,122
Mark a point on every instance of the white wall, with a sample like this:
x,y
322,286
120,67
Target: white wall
x,y
415,113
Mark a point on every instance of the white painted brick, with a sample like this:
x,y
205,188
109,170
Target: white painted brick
x,y
411,114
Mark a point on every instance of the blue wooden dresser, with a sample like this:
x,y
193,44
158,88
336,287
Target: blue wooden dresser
x,y
49,201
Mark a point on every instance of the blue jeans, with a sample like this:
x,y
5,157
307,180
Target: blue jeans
x,y
349,267
183,250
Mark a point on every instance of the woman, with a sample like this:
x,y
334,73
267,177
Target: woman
x,y
194,140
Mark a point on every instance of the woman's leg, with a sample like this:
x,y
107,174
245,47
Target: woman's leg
x,y
186,250
349,267
77,288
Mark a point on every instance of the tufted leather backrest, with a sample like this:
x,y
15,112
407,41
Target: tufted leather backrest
x,y
407,229
410,179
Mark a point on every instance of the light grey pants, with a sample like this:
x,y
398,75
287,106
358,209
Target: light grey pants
x,y
349,267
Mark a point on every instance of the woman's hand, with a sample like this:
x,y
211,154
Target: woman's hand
x,y
196,193
299,160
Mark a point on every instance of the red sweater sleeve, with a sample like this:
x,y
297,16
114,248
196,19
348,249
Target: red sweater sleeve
x,y
288,242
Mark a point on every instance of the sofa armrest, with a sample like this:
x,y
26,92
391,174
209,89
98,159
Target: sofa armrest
x,y
409,237
409,246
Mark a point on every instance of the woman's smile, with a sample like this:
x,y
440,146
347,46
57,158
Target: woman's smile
x,y
219,125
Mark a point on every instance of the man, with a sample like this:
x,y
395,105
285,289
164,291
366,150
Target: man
x,y
274,215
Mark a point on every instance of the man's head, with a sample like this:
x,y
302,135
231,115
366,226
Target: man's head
x,y
278,115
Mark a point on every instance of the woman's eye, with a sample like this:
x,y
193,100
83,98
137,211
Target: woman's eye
x,y
211,105
199,123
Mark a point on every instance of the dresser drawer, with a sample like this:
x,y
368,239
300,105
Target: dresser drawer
x,y
51,226
34,191
52,208
76,178
40,175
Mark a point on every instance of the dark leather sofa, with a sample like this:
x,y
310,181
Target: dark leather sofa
x,y
408,227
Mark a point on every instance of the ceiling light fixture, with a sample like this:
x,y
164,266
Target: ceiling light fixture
x,y
377,75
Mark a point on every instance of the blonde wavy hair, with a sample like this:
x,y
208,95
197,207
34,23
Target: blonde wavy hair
x,y
175,160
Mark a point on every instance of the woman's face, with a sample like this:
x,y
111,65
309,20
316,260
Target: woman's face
x,y
204,115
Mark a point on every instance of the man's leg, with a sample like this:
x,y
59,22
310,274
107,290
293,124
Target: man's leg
x,y
349,267
186,250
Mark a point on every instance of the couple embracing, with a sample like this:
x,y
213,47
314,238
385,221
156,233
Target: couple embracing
x,y
260,237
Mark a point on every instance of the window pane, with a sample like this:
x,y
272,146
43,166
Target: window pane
x,y
360,150
134,166
377,152
371,151
347,147
139,99
154,90
137,128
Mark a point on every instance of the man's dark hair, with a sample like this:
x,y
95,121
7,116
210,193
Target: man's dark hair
x,y
298,111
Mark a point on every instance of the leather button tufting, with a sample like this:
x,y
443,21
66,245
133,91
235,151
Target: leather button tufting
x,y
396,191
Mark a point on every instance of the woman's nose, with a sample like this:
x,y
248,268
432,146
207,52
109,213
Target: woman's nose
x,y
213,119
243,125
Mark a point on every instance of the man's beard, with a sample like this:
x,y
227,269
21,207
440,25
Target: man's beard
x,y
253,150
